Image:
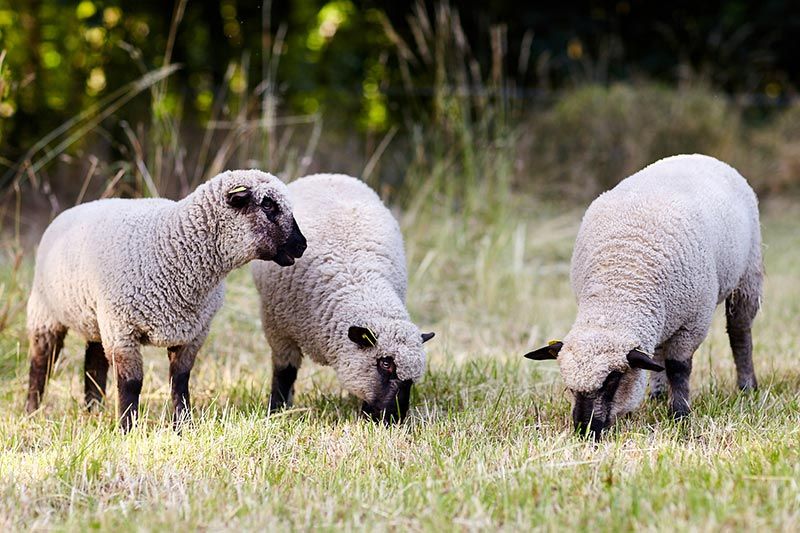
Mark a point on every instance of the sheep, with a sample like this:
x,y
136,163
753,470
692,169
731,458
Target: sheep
x,y
344,304
124,273
653,258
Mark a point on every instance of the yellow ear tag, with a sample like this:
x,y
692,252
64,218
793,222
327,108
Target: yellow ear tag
x,y
647,354
552,342
240,188
370,337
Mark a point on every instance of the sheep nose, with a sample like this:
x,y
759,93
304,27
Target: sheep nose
x,y
392,405
584,429
585,419
387,415
296,244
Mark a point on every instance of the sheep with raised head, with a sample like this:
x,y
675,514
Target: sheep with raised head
x,y
653,258
344,304
125,273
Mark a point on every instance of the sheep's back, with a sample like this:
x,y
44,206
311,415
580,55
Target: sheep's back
x,y
89,253
680,232
348,229
354,259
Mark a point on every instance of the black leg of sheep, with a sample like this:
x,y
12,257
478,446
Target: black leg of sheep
x,y
678,351
181,362
95,374
740,310
45,346
127,361
282,387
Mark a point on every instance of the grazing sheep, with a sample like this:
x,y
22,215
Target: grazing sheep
x,y
653,258
344,304
123,273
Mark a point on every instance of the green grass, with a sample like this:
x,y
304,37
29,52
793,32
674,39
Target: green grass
x,y
488,443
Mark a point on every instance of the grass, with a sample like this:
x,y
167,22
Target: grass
x,y
488,443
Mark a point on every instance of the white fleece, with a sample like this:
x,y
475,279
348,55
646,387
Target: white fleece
x,y
352,274
653,258
148,271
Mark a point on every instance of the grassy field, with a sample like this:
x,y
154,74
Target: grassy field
x,y
489,441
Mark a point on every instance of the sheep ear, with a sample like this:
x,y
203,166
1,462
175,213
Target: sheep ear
x,y
238,197
364,337
427,336
638,359
548,352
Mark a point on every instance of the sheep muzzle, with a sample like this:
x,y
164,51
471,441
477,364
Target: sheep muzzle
x,y
391,404
587,419
293,248
592,411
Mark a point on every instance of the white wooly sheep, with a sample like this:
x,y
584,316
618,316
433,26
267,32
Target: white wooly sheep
x,y
653,258
123,273
343,305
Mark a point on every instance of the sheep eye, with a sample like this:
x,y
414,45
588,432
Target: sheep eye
x,y
386,365
270,208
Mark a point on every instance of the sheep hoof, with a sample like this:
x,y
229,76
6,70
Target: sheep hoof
x,y
277,403
749,386
679,413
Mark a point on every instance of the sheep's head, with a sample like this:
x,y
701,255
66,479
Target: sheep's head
x,y
256,220
380,364
605,374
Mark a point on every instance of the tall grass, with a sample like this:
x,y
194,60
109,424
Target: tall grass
x,y
460,125
163,156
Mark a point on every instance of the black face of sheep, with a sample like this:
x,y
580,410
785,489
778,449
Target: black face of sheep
x,y
391,395
285,242
590,412
391,405
593,411
293,248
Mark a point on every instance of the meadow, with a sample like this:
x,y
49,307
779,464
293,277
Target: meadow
x,y
488,443
489,183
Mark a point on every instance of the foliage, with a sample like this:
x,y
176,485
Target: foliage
x,y
334,57
595,135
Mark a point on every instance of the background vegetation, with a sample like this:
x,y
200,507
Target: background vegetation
x,y
488,127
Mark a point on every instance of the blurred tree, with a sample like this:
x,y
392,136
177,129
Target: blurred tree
x,y
333,56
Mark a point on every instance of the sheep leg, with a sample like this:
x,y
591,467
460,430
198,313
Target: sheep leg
x,y
678,374
658,380
95,374
740,310
181,362
45,346
286,358
678,351
128,368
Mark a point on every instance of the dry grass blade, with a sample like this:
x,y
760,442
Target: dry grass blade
x,y
375,157
93,161
85,121
112,183
138,158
